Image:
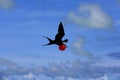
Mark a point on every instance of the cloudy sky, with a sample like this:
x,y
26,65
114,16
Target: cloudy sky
x,y
92,27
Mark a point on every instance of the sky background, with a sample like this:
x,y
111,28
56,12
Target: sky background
x,y
91,26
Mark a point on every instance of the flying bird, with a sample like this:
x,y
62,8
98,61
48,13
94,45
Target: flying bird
x,y
58,38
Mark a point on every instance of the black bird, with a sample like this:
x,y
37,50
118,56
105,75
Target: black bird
x,y
58,38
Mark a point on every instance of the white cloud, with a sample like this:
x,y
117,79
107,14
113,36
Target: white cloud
x,y
75,70
101,78
29,76
6,4
91,16
8,64
69,78
78,48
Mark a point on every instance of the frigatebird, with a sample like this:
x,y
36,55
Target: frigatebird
x,y
58,38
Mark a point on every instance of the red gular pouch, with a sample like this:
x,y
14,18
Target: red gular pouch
x,y
62,47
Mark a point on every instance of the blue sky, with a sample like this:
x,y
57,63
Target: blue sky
x,y
92,27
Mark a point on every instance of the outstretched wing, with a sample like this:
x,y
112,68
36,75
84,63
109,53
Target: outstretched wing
x,y
60,33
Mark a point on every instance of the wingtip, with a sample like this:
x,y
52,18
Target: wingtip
x,y
60,22
44,36
44,45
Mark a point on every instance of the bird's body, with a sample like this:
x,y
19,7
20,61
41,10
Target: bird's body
x,y
58,38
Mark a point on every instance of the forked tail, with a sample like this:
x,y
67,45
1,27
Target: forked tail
x,y
50,41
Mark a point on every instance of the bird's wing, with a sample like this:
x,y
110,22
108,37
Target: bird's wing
x,y
60,33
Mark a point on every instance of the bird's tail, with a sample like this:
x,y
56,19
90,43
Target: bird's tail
x,y
66,40
50,41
